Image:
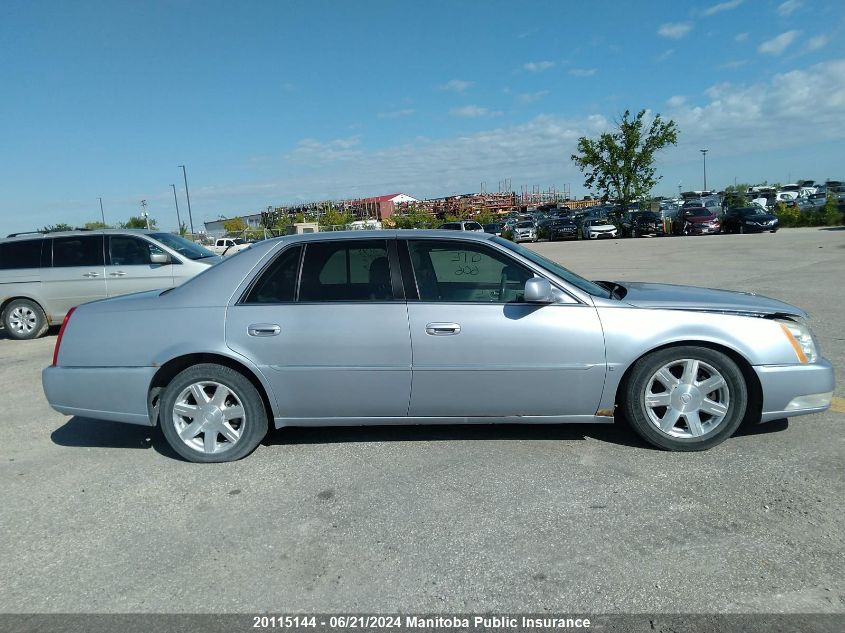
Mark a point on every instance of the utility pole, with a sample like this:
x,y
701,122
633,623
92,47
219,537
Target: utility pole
x,y
704,157
144,213
188,196
176,201
102,215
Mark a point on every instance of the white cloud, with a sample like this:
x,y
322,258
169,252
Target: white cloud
x,y
474,112
308,149
741,37
665,55
455,85
532,97
734,64
722,6
737,118
676,101
582,72
538,67
778,44
789,7
674,30
817,42
396,114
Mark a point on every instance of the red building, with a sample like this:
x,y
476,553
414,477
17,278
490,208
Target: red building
x,y
380,207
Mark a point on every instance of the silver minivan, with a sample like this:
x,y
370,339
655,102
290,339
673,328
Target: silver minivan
x,y
43,275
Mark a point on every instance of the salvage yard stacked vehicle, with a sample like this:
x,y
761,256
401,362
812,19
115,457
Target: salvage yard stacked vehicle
x,y
247,341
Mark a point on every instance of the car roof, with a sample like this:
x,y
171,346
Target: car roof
x,y
384,234
32,235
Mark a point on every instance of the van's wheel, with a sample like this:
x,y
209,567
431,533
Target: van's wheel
x,y
24,319
212,413
685,398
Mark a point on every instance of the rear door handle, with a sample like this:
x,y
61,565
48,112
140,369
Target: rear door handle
x,y
91,275
442,329
119,273
264,329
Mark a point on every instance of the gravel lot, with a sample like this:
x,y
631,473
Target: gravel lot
x,y
102,517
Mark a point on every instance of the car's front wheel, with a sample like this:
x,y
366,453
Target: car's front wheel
x,y
24,319
685,398
212,413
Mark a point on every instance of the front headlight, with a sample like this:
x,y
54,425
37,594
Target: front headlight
x,y
801,339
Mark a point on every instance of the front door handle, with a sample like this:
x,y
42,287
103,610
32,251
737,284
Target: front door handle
x,y
91,275
119,273
264,329
442,329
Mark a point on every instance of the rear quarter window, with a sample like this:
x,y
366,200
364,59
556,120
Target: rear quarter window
x,y
22,254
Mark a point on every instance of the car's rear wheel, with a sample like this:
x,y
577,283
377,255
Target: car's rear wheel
x,y
685,398
24,319
212,413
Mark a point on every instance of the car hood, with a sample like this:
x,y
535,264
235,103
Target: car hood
x,y
669,296
768,217
603,225
700,219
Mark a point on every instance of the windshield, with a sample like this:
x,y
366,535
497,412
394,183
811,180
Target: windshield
x,y
755,211
524,225
695,213
189,249
555,268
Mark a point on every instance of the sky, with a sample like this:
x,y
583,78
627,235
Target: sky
x,y
278,102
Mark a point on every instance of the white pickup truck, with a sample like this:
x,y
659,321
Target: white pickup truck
x,y
228,245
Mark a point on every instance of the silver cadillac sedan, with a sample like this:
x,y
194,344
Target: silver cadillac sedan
x,y
429,327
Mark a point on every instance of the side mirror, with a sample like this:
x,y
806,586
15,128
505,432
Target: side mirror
x,y
159,258
538,290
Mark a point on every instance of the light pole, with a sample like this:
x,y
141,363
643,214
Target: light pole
x,y
704,157
102,214
144,213
176,201
188,196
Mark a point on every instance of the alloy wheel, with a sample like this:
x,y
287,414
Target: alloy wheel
x,y
687,398
209,417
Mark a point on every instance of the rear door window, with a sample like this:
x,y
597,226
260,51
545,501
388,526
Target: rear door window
x,y
79,250
346,270
22,254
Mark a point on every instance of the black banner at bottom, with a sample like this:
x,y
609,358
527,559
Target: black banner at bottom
x,y
422,623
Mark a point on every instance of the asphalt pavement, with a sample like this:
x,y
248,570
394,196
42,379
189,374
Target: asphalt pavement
x,y
103,517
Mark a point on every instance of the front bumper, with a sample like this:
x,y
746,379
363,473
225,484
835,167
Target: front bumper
x,y
102,393
704,230
791,390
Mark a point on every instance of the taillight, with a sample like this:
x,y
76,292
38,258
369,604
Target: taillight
x,y
59,337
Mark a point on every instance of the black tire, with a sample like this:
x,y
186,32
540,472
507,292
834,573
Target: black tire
x,y
24,319
637,415
254,420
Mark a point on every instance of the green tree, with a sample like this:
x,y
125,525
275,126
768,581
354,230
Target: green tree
x,y
137,222
832,214
620,163
735,196
485,217
183,229
415,218
235,225
53,228
95,226
333,217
